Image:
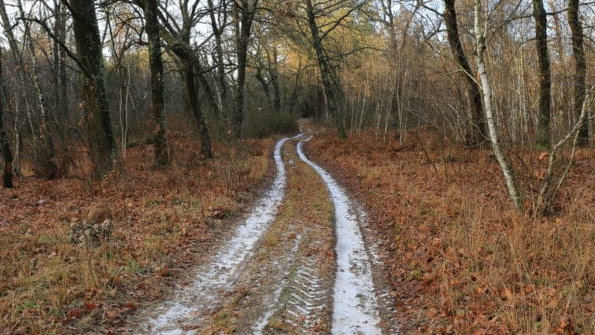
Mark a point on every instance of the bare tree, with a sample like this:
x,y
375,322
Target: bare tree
x,y
477,134
161,157
243,16
95,104
545,76
218,17
177,35
503,161
331,85
4,146
580,71
43,148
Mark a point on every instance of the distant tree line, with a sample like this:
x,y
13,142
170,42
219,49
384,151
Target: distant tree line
x,y
107,74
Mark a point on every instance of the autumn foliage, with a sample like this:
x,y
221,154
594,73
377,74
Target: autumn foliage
x,y
161,221
460,259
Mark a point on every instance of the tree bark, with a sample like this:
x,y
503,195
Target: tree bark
x,y
18,59
545,80
4,146
330,85
61,78
95,105
194,106
244,11
178,41
221,83
580,71
45,164
478,132
161,157
274,74
486,92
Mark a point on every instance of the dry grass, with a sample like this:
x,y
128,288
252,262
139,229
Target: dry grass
x,y
461,260
162,221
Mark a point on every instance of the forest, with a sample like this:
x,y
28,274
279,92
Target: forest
x,y
218,166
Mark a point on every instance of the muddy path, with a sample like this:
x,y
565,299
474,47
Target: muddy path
x,y
299,263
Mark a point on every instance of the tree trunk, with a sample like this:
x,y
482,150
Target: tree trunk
x,y
62,79
194,106
243,15
580,68
545,80
478,133
45,164
501,157
161,157
18,60
274,74
95,105
330,85
221,84
4,147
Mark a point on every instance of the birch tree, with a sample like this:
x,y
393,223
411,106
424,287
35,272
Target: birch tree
x,y
486,92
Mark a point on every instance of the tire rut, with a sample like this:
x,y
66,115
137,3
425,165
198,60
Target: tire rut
x,y
355,302
182,313
300,271
308,298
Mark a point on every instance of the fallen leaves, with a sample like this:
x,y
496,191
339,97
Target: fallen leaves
x,y
459,261
158,219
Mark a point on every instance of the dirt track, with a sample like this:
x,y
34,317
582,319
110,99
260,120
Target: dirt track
x,y
298,263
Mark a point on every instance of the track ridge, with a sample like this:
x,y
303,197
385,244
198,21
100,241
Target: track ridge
x,y
307,297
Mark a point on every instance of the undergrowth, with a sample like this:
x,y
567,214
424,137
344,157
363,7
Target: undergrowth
x,y
161,221
461,259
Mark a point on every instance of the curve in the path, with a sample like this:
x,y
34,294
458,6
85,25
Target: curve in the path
x,y
355,305
212,280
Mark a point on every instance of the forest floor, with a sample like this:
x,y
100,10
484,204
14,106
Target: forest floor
x,y
62,271
251,244
460,259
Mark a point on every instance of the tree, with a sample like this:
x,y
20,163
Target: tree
x,y
580,71
44,151
4,146
177,36
243,15
94,102
218,18
486,93
331,86
477,133
545,76
161,157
